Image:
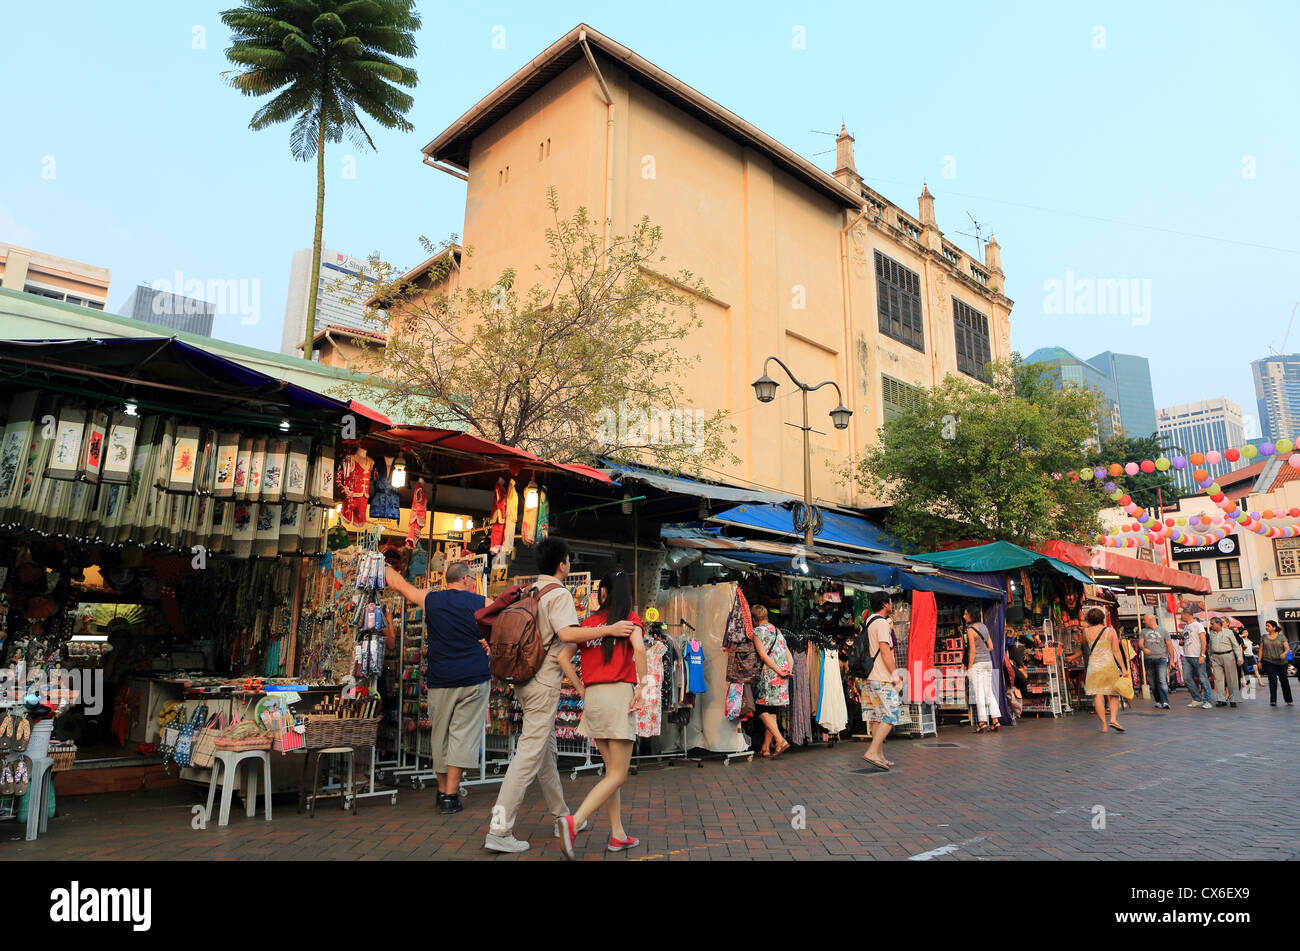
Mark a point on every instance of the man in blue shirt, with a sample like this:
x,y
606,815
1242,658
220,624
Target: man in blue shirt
x,y
458,676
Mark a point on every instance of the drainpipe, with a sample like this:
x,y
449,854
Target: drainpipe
x,y
609,139
847,277
443,168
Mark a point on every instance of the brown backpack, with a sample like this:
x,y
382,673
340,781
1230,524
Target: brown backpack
x,y
517,649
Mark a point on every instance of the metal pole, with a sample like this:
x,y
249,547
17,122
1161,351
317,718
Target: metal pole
x,y
807,475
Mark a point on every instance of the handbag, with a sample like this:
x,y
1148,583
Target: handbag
x,y
183,753
1124,683
201,756
170,734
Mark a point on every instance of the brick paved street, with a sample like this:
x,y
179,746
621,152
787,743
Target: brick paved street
x,y
1029,792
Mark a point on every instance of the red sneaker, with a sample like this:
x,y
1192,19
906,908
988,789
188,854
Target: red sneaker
x,y
618,845
568,833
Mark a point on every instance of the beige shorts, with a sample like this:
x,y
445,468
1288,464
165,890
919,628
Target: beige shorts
x,y
605,713
457,715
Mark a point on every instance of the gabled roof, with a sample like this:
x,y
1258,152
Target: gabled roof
x,y
453,145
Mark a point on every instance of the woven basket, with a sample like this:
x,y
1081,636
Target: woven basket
x,y
245,735
63,758
323,731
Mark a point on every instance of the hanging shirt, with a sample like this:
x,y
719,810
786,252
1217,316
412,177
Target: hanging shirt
x,y
695,668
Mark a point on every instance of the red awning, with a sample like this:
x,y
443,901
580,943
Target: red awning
x,y
371,414
455,441
1132,569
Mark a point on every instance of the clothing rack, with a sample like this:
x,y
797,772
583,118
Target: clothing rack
x,y
680,752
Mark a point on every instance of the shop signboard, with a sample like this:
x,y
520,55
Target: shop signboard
x,y
1232,601
1225,547
1289,614
1127,604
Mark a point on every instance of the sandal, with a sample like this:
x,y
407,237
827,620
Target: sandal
x,y
6,733
982,728
882,765
1116,726
22,776
780,749
6,781
995,726
22,735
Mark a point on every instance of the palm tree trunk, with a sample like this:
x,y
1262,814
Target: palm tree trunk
x,y
314,286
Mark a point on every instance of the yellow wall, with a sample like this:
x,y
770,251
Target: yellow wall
x,y
769,248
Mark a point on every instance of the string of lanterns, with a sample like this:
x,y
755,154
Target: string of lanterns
x,y
1147,528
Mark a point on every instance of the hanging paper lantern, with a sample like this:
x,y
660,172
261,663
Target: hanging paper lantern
x,y
1212,457
1266,448
1214,487
1109,486
1115,470
1126,528
1169,522
1196,458
1267,513
1249,451
1176,534
1181,520
1131,468
1294,512
1200,475
1232,455
1125,499
1148,466
1217,497
1099,473
1284,445
1162,464
1294,460
1180,462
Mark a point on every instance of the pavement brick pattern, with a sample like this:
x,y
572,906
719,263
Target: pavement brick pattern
x,y
1185,784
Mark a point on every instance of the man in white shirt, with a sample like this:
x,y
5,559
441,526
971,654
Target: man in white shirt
x,y
880,691
1194,672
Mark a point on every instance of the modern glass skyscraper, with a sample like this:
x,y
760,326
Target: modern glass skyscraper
x,y
1201,427
334,304
1132,379
1069,369
1277,394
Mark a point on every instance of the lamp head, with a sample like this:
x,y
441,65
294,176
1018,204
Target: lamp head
x,y
765,388
840,415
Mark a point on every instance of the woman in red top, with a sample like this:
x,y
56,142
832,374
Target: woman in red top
x,y
612,680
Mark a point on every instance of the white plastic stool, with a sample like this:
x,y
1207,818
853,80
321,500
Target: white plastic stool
x,y
231,760
38,796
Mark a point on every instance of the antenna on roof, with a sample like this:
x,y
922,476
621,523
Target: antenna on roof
x,y
978,235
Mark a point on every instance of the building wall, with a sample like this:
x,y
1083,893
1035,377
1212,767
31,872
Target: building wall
x,y
1200,427
1131,376
1277,394
53,277
170,310
790,273
335,301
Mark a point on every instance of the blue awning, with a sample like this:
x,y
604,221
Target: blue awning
x,y
844,531
879,576
679,485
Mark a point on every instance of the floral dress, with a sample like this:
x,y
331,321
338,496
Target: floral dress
x,y
648,721
773,690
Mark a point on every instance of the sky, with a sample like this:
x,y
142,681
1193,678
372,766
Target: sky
x,y
1146,152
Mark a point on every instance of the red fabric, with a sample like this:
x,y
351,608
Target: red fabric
x,y
1099,559
621,667
920,644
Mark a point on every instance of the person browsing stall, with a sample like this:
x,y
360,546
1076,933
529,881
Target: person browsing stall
x,y
1195,670
1157,647
457,679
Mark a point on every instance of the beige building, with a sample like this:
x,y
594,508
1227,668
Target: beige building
x,y
45,275
814,268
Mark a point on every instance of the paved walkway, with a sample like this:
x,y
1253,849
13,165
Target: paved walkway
x,y
1183,784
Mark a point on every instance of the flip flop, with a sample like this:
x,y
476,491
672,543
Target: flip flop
x,y
780,750
22,776
1116,726
6,733
22,735
882,765
6,781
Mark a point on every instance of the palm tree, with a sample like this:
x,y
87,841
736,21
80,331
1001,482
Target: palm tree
x,y
333,56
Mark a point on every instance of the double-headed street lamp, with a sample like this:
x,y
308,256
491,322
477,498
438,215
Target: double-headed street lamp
x,y
765,390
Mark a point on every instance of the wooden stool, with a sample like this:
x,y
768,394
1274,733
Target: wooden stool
x,y
231,760
318,754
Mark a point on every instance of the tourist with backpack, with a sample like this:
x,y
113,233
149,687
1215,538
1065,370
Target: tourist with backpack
x,y
527,637
873,658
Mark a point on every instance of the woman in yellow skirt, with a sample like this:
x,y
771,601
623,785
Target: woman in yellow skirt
x,y
1103,667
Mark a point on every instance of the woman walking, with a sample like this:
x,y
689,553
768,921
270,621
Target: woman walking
x,y
611,684
979,663
1103,667
1272,657
773,693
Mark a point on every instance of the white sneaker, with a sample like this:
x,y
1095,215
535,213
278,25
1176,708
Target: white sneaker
x,y
581,828
504,843
1207,706
1196,703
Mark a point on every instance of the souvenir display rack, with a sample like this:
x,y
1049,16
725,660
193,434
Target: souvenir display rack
x,y
1045,672
950,662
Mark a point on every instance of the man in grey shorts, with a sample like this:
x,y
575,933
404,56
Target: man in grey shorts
x,y
458,677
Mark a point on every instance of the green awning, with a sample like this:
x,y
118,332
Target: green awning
x,y
999,556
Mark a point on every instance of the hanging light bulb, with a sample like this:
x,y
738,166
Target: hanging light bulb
x,y
627,503
458,524
469,525
399,472
530,495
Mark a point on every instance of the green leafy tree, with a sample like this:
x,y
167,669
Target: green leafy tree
x,y
1146,490
324,60
987,462
587,362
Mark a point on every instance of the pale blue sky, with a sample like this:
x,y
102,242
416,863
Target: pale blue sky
x,y
1058,146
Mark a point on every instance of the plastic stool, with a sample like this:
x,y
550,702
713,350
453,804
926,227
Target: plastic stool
x,y
39,791
319,754
231,760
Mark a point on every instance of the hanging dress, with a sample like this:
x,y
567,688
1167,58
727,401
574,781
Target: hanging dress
x,y
649,720
834,715
512,518
800,710
498,518
543,515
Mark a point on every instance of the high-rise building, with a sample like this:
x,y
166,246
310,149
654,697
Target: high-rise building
x,y
1069,369
1277,393
1132,379
45,275
1201,427
169,310
337,303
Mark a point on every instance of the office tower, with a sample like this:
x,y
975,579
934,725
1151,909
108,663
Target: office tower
x,y
1201,427
1069,369
1131,376
337,303
173,311
1277,394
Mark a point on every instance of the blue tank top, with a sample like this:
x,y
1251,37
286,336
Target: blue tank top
x,y
695,668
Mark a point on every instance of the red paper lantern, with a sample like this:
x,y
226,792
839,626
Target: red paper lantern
x,y
1148,466
1232,455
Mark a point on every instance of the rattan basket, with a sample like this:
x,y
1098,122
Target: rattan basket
x,y
323,731
62,758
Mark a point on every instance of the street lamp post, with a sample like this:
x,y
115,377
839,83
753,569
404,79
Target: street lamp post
x,y
765,390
